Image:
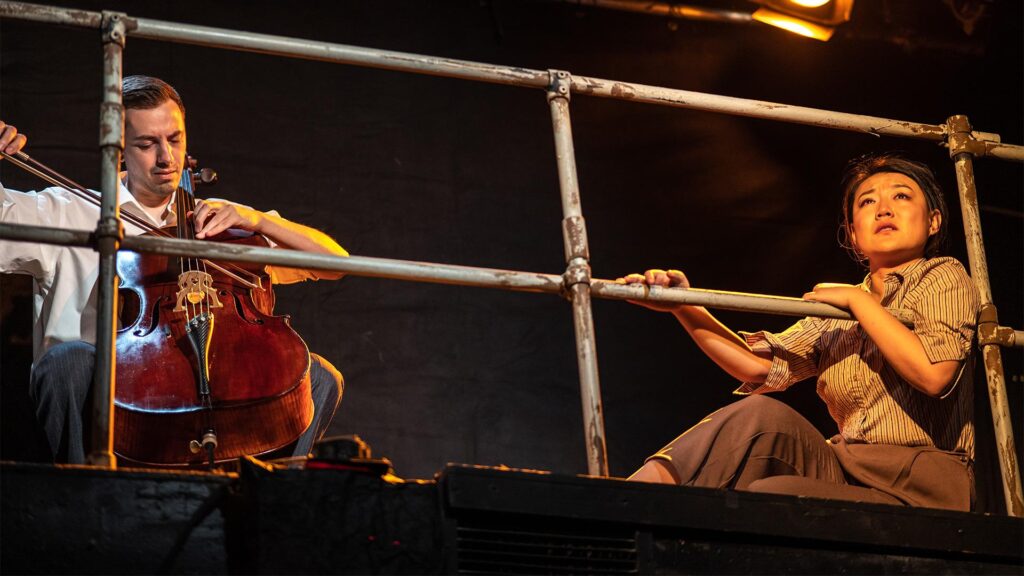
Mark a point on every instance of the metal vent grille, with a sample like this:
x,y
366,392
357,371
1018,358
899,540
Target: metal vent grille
x,y
494,550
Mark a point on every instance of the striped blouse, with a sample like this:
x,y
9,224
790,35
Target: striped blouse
x,y
867,399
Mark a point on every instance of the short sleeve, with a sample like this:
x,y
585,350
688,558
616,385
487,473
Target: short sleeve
x,y
794,355
945,309
280,274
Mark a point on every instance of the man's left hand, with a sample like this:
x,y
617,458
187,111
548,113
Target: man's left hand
x,y
213,217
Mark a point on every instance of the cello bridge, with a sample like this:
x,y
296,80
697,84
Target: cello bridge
x,y
195,287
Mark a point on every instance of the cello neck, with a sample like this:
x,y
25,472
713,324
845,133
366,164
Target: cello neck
x,y
185,204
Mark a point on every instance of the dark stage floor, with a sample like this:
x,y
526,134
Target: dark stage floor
x,y
350,519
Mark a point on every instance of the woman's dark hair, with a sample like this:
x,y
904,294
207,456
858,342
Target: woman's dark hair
x,y
860,169
146,92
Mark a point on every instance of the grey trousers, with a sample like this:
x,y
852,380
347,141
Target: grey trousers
x,y
62,379
762,445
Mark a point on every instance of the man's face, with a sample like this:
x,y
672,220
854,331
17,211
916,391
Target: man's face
x,y
154,150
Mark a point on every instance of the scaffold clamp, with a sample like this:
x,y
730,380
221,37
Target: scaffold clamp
x,y
115,27
578,272
961,139
108,229
560,85
989,330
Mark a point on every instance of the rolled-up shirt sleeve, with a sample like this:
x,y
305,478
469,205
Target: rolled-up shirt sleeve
x,y
283,275
945,307
794,354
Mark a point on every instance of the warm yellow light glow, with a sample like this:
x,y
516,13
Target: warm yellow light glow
x,y
794,25
810,3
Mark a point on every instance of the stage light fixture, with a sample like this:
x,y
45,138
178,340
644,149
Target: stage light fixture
x,y
812,18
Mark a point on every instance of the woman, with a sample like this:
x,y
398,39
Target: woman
x,y
901,397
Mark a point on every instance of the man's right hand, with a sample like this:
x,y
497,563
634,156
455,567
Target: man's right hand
x,y
10,141
656,277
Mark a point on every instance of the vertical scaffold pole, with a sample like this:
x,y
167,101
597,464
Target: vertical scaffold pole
x,y
962,147
577,274
109,233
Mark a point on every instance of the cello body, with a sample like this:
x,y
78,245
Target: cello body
x,y
257,367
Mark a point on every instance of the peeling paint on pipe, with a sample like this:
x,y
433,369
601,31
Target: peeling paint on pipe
x,y
960,150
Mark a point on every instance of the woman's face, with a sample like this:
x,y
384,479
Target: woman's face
x,y
890,221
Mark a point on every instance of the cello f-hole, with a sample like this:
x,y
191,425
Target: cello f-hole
x,y
128,308
243,312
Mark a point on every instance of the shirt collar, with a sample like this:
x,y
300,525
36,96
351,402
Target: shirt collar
x,y
895,279
127,199
908,270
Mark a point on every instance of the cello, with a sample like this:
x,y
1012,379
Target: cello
x,y
205,371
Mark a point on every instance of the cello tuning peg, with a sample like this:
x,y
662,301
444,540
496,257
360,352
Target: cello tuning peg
x,y
208,176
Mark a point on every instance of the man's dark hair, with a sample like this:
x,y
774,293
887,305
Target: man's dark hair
x,y
146,92
860,169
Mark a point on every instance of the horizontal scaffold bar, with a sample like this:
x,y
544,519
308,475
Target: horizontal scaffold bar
x,y
478,277
446,273
468,70
438,273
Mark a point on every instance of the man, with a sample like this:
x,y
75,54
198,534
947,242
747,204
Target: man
x,y
65,278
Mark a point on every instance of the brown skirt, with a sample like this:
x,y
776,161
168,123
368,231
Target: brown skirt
x,y
762,445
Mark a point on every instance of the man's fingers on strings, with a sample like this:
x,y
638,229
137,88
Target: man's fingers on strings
x,y
219,221
204,217
199,217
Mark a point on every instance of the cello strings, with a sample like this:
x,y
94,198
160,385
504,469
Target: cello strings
x,y
186,230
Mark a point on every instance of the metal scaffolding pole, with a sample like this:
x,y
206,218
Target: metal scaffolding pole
x,y
452,274
577,274
989,144
109,232
961,149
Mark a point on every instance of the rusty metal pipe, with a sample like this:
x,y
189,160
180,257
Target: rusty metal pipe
x,y
989,144
337,53
577,273
47,235
51,14
453,274
467,70
782,112
109,232
961,144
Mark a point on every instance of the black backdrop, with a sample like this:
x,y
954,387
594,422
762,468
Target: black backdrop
x,y
433,169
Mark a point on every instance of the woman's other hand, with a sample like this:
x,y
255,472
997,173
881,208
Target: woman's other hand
x,y
657,277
